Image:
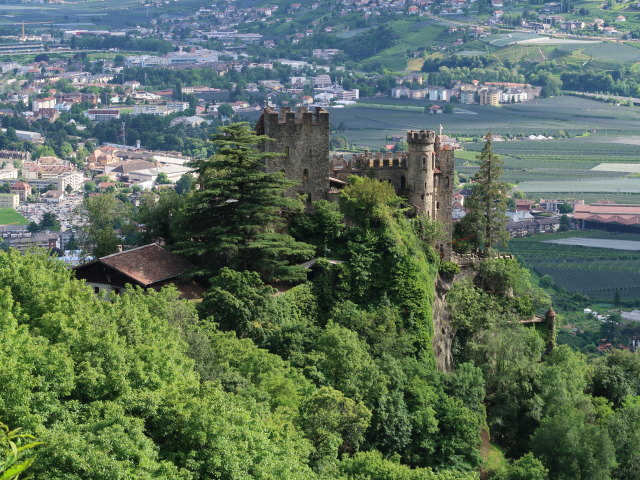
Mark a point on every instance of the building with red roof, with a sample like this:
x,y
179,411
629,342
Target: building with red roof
x,y
22,189
149,266
616,217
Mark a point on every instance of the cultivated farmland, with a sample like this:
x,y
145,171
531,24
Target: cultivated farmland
x,y
368,127
595,272
542,167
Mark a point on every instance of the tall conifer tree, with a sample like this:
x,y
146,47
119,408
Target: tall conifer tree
x,y
235,218
488,201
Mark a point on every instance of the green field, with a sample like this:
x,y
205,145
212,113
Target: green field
x,y
8,216
541,167
93,15
413,34
595,272
369,126
506,39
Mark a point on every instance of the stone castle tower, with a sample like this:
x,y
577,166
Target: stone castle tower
x,y
303,139
423,174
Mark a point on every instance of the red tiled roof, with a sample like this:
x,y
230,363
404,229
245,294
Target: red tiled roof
x,y
20,185
609,213
148,264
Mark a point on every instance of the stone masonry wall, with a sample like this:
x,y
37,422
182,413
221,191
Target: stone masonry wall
x,y
303,140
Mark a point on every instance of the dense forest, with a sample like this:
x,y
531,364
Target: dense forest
x,y
331,375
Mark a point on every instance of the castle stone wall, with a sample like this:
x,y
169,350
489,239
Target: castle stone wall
x,y
303,140
423,174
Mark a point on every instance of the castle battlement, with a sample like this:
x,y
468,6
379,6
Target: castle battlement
x,y
302,116
423,137
380,160
423,174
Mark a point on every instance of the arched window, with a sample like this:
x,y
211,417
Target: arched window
x,y
305,175
437,205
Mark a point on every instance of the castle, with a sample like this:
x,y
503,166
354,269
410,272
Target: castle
x,y
423,175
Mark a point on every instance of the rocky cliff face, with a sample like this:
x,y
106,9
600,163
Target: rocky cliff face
x,y
442,331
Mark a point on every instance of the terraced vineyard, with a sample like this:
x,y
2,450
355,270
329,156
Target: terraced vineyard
x,y
595,272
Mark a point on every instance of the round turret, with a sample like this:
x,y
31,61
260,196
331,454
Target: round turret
x,y
420,169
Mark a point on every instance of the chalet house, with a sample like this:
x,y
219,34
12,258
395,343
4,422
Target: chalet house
x,y
149,266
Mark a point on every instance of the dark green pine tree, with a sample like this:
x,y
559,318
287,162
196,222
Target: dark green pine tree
x,y
235,218
488,201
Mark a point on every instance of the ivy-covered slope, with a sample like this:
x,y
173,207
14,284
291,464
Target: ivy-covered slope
x,y
362,326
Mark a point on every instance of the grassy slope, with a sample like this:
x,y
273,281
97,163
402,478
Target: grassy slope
x,y
413,34
8,216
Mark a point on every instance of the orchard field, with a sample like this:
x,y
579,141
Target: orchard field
x,y
595,272
369,126
542,168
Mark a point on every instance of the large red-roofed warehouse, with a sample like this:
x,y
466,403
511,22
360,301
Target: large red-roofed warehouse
x,y
606,216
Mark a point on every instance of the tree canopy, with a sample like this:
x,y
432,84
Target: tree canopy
x,y
487,203
236,216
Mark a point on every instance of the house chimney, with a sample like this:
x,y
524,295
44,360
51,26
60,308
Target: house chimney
x,y
119,249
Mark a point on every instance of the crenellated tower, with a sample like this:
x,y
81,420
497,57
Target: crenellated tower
x,y
420,166
302,138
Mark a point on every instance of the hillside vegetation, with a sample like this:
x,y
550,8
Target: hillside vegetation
x,y
331,376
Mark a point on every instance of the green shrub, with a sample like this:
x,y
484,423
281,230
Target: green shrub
x,y
449,268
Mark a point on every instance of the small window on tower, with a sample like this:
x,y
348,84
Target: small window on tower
x,y
286,150
424,160
437,205
309,152
403,182
305,175
446,182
